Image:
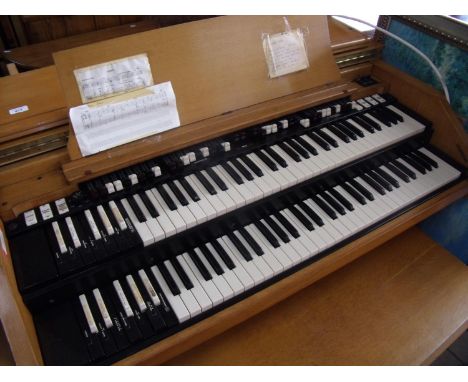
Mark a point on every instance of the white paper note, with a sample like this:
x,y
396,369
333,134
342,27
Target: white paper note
x,y
285,53
113,77
102,125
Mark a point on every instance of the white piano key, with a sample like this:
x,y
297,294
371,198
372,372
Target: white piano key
x,y
194,207
162,219
92,225
198,292
186,296
73,234
105,220
88,314
142,229
59,237
103,308
118,215
123,298
218,280
149,287
184,211
208,286
204,203
152,223
223,196
173,215
218,206
136,293
239,270
176,303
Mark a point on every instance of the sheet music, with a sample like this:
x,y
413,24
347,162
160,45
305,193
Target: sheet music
x,y
113,77
137,115
285,53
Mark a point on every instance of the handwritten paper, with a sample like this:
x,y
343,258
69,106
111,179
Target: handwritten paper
x,y
113,77
285,53
136,115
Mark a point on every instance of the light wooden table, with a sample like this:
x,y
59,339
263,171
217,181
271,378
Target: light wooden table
x,y
402,304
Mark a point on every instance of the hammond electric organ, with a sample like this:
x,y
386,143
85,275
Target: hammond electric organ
x,y
125,253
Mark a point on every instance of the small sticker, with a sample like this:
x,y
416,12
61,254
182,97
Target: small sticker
x,y
20,109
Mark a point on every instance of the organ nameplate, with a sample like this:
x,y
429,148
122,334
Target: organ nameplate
x,y
126,118
19,109
113,77
285,52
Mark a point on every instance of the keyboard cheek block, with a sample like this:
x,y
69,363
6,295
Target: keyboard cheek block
x,y
139,254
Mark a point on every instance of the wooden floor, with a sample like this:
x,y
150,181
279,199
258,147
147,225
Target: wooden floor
x,y
398,305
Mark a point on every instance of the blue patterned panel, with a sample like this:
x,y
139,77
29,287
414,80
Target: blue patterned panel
x,y
451,61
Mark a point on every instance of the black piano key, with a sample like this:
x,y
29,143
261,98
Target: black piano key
x,y
277,229
311,213
339,133
397,172
167,199
322,143
353,128
324,206
420,160
301,217
267,234
178,194
153,314
380,180
311,149
397,116
74,254
241,168
364,124
265,159
276,157
423,156
387,177
112,246
119,316
256,170
87,250
169,280
182,275
136,210
414,164
140,317
190,191
149,206
289,151
345,202
350,133
333,203
327,138
383,117
98,247
223,254
298,148
286,224
219,182
371,182
241,248
199,264
374,124
251,241
117,330
211,259
233,174
406,170
355,194
364,191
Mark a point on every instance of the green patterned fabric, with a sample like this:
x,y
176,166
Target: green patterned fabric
x,y
451,61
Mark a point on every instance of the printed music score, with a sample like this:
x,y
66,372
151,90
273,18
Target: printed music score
x,y
108,124
113,77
